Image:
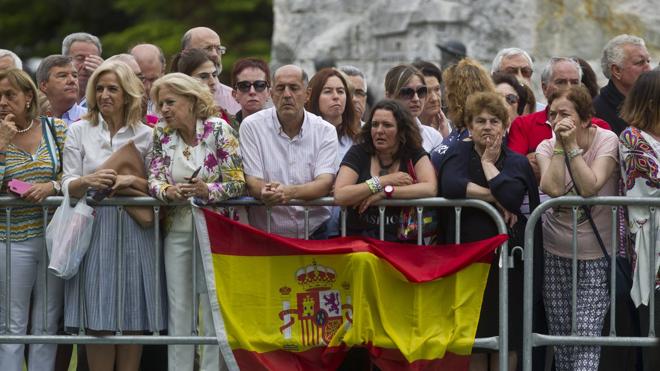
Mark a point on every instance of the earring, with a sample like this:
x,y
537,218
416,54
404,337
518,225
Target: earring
x,y
27,106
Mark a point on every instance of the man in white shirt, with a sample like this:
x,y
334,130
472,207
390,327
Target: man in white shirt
x,y
57,78
208,40
288,153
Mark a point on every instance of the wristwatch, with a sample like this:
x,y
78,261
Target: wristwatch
x,y
56,186
389,190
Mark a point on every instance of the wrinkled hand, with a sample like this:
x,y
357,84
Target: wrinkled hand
x,y
510,218
396,179
121,182
442,123
364,205
196,188
7,130
92,62
565,131
492,150
38,192
272,194
100,179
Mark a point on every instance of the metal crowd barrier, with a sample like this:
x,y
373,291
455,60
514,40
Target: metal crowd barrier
x,y
531,339
498,343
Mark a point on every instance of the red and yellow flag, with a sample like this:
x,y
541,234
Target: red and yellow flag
x,y
295,304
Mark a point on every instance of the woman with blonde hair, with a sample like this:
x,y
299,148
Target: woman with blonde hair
x,y
114,103
30,150
195,156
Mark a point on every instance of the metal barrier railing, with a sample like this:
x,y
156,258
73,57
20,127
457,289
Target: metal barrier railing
x,y
499,342
531,339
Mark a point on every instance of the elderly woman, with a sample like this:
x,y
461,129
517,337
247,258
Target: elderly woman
x,y
30,151
195,156
406,84
114,96
378,167
483,168
432,114
591,153
639,150
331,98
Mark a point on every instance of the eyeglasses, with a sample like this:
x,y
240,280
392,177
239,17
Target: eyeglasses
x,y
409,93
526,72
511,98
218,48
244,86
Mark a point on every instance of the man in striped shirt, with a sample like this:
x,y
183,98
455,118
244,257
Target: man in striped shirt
x,y
288,153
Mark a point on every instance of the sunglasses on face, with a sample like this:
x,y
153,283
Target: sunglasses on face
x,y
526,72
409,93
511,98
244,86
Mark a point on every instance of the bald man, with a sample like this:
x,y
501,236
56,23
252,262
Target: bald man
x,y
208,40
151,60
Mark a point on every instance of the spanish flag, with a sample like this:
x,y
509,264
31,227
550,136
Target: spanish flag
x,y
288,304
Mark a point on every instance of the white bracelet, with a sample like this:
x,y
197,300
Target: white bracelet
x,y
574,153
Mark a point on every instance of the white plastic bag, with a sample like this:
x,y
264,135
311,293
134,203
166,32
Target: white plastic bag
x,y
68,236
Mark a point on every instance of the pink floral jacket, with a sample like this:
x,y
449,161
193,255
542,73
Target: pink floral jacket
x,y
222,168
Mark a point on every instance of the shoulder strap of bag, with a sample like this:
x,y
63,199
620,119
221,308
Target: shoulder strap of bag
x,y
48,128
586,210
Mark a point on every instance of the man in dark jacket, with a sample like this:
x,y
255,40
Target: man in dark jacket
x,y
624,58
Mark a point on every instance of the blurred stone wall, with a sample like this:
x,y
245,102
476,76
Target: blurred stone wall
x,y
375,35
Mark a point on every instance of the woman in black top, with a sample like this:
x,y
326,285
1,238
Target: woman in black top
x,y
484,169
378,167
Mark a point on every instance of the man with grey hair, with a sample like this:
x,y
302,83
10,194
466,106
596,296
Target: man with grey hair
x,y
58,80
359,83
517,62
624,58
208,40
85,52
152,64
289,153
9,59
529,130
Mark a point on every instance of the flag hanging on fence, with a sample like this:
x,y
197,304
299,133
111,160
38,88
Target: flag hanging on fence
x,y
296,304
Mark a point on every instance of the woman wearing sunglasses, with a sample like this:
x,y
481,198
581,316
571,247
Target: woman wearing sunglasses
x,y
405,83
513,92
251,81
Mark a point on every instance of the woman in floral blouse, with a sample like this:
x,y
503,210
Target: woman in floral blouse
x,y
189,138
639,149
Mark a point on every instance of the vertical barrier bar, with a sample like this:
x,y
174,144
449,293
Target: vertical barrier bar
x,y
574,274
381,222
528,293
269,211
120,268
343,221
44,260
457,226
155,329
195,303
652,272
7,269
420,224
306,211
615,222
503,329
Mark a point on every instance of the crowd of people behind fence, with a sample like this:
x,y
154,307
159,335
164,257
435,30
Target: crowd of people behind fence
x,y
460,132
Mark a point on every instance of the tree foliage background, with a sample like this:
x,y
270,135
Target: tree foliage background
x,y
35,28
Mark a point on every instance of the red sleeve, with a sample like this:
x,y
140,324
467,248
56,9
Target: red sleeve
x,y
517,140
602,123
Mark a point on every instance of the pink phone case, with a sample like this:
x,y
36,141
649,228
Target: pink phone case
x,y
18,186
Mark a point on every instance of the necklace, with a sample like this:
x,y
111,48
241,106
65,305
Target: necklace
x,y
384,169
26,129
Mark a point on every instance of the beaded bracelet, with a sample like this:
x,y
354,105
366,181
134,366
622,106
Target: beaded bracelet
x,y
372,186
574,153
379,187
